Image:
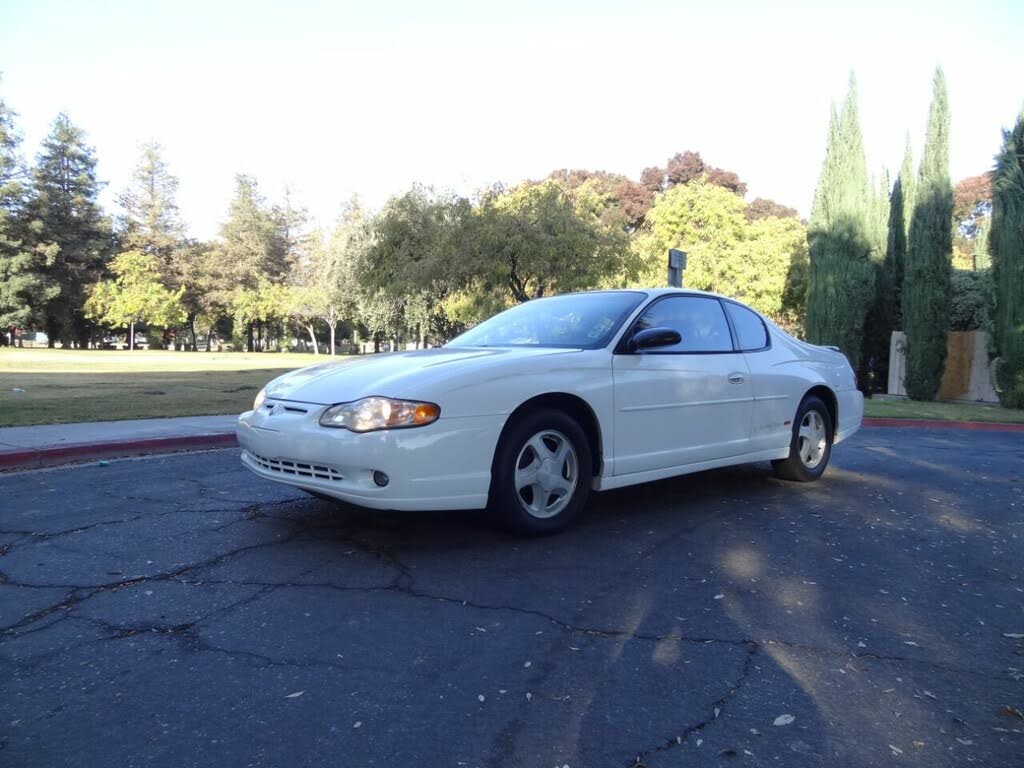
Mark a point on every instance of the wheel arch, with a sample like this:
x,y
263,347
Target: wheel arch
x,y
831,402
572,405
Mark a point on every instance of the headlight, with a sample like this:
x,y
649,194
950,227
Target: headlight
x,y
372,413
260,397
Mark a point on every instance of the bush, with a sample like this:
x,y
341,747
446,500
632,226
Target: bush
x,y
972,302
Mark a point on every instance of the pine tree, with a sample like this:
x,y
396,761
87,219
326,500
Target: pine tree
x,y
24,285
69,226
840,237
151,222
251,251
926,280
1006,249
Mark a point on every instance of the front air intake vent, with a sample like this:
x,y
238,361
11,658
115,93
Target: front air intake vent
x,y
295,468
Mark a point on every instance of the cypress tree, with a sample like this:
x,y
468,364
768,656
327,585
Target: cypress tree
x,y
901,205
1006,249
69,225
874,364
841,280
926,280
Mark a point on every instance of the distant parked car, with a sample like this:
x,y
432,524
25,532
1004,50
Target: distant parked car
x,y
537,406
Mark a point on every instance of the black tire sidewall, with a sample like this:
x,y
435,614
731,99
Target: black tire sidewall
x,y
504,500
796,464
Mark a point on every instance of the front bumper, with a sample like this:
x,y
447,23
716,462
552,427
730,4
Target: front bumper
x,y
445,465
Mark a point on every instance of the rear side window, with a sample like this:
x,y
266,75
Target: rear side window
x,y
750,330
700,321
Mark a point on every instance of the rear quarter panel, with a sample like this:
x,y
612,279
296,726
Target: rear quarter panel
x,y
785,373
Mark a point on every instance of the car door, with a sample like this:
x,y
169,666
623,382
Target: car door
x,y
683,404
772,383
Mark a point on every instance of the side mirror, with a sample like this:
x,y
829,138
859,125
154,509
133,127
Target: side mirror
x,y
651,338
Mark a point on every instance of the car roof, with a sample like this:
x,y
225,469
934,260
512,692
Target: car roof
x,y
650,292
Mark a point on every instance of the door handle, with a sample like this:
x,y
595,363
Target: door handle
x,y
736,378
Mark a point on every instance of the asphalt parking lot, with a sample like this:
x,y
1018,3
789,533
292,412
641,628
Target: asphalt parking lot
x,y
178,611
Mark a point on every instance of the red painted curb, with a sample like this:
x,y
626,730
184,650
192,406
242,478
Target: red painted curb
x,y
34,458
979,426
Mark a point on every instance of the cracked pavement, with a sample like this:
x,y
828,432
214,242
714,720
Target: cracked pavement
x,y
178,611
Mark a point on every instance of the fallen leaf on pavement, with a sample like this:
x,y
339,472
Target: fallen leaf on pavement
x,y
784,719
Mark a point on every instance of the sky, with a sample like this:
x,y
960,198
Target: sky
x,y
331,99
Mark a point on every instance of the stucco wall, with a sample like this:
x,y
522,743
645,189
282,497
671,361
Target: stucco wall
x,y
967,372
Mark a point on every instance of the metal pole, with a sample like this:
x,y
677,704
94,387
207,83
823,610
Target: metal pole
x,y
676,266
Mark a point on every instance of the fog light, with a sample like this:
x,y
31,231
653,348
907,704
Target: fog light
x,y
380,478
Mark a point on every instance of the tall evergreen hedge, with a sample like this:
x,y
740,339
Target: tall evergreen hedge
x,y
926,279
841,282
1006,248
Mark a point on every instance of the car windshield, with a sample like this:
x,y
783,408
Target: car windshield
x,y
573,321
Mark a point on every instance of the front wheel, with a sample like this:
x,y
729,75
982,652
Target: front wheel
x,y
811,446
542,472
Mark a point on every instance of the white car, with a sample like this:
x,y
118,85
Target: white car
x,y
532,409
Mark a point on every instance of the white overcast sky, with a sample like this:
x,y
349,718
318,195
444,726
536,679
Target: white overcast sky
x,y
336,98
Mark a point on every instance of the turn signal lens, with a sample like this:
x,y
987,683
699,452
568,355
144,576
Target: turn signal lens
x,y
373,413
260,397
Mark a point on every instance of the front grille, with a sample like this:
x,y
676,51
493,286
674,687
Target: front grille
x,y
296,468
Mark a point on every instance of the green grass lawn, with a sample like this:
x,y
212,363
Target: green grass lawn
x,y
65,386
908,409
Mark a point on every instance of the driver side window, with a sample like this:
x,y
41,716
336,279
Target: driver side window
x,y
700,321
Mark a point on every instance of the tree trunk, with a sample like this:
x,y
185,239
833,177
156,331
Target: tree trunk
x,y
333,326
192,331
312,337
248,331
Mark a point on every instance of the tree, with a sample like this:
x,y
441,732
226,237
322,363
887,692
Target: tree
x,y
533,239
874,358
901,204
135,295
684,167
1006,246
618,201
762,207
972,202
926,281
841,283
325,282
250,252
763,262
25,286
69,226
421,248
150,221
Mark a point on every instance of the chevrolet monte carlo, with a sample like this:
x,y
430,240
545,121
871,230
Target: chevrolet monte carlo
x,y
531,410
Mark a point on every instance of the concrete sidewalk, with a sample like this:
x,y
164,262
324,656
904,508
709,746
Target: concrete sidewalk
x,y
52,444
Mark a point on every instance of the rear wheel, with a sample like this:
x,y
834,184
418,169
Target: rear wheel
x,y
541,474
811,446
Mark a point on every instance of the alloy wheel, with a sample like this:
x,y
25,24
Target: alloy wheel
x,y
546,473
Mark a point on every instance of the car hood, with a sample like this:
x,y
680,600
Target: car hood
x,y
396,374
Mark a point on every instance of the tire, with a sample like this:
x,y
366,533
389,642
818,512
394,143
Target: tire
x,y
555,446
807,461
